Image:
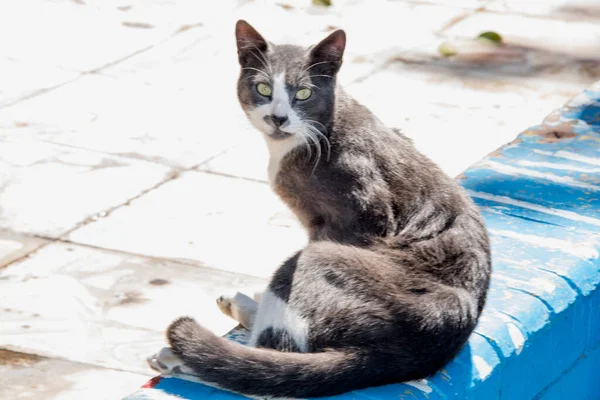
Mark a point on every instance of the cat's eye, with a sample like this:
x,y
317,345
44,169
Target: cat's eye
x,y
303,94
264,89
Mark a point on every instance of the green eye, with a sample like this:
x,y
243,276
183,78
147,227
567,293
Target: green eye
x,y
264,89
303,94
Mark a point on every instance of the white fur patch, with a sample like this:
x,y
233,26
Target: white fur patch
x,y
277,150
275,313
279,106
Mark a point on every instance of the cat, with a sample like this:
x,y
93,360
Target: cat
x,y
397,268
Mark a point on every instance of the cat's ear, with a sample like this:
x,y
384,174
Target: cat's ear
x,y
330,49
248,41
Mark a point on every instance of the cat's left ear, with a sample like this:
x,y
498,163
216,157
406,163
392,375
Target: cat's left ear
x,y
330,50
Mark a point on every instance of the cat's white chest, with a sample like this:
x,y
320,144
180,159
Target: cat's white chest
x,y
278,149
273,169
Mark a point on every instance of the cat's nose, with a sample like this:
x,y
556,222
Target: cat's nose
x,y
278,121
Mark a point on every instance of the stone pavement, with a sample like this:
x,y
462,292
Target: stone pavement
x,y
133,190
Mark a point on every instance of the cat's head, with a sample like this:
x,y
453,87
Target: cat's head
x,y
288,91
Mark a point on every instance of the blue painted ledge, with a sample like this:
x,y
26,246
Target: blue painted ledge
x,y
539,335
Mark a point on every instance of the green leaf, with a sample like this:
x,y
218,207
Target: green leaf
x,y
447,50
324,3
491,36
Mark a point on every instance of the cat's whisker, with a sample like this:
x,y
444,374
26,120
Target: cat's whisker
x,y
257,70
307,84
315,136
314,140
308,149
299,128
328,146
316,76
262,59
312,65
312,121
320,135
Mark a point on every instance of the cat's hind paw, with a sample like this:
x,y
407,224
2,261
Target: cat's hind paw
x,y
167,363
224,303
239,307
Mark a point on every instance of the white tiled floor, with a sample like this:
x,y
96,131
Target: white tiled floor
x,y
226,223
48,189
25,376
106,308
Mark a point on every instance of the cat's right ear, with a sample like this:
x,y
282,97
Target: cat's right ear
x,y
249,41
330,51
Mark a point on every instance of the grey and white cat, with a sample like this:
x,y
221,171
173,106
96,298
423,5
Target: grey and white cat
x,y
396,271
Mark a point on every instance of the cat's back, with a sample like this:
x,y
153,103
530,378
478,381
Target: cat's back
x,y
361,142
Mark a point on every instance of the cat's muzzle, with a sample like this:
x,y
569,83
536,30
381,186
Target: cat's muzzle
x,y
279,134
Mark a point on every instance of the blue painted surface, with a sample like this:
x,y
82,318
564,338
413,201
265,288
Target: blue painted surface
x,y
539,335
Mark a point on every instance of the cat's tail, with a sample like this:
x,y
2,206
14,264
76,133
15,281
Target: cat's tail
x,y
265,372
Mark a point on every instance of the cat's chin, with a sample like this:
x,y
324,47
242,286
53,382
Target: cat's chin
x,y
279,135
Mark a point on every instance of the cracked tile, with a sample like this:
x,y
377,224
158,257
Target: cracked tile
x,y
48,189
21,79
59,46
165,120
106,308
83,40
14,246
248,159
224,223
32,377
